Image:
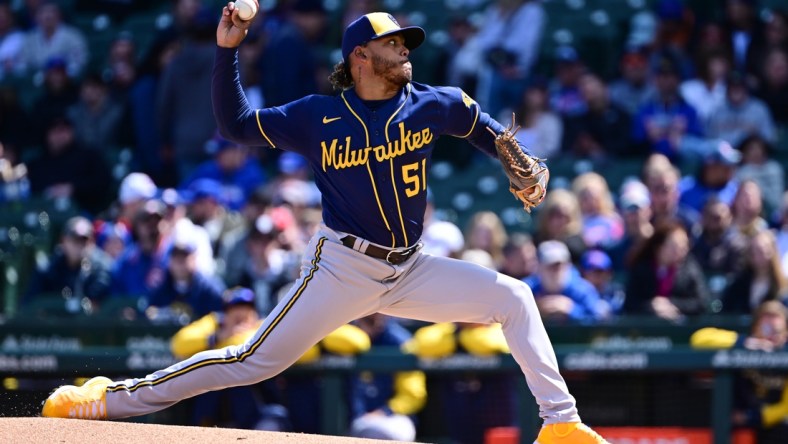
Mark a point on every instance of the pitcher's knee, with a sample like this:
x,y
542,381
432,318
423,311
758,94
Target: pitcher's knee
x,y
254,366
516,299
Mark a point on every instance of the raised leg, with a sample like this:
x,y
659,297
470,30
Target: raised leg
x,y
447,290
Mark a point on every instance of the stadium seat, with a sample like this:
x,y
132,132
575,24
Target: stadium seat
x,y
9,284
116,306
618,172
143,26
50,306
773,5
99,32
24,88
781,147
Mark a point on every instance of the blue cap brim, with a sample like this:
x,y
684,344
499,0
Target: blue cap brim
x,y
363,30
414,36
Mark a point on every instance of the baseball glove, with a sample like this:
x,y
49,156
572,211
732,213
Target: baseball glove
x,y
528,176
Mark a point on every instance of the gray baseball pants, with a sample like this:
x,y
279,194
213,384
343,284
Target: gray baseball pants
x,y
337,285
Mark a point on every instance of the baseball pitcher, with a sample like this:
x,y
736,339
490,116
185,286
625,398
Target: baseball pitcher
x,y
369,148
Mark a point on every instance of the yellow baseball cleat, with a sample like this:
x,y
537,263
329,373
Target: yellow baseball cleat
x,y
569,433
86,402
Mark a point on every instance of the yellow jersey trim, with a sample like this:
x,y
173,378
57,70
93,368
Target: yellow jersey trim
x,y
399,210
242,357
475,118
380,206
395,113
366,131
260,126
391,162
369,169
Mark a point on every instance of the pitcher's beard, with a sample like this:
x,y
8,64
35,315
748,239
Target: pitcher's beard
x,y
392,72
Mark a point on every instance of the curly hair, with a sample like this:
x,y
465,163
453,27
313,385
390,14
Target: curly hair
x,y
341,79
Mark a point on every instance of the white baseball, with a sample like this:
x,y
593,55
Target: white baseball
x,y
247,9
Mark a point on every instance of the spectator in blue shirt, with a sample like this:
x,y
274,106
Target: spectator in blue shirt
x,y
141,267
113,238
184,290
665,121
76,271
560,292
714,179
597,268
564,90
207,209
237,173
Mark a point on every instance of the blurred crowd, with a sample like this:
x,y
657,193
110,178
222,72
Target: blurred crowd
x,y
701,97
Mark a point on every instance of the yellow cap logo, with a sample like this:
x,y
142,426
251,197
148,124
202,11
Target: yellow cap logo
x,y
382,22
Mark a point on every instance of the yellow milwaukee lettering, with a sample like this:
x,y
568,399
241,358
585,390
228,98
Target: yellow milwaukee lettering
x,y
344,150
359,157
340,155
416,139
380,153
426,136
405,137
328,154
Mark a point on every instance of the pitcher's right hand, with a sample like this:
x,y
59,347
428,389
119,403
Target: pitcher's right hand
x,y
231,30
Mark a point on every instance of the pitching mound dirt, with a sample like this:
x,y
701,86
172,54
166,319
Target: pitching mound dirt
x,y
72,431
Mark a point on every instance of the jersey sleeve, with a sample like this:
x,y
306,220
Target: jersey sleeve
x,y
462,117
460,113
283,126
278,127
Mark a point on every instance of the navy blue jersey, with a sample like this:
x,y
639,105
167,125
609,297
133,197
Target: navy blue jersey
x,y
370,159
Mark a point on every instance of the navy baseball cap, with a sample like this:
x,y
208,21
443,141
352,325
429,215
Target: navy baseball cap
x,y
596,260
238,295
376,25
203,188
112,231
